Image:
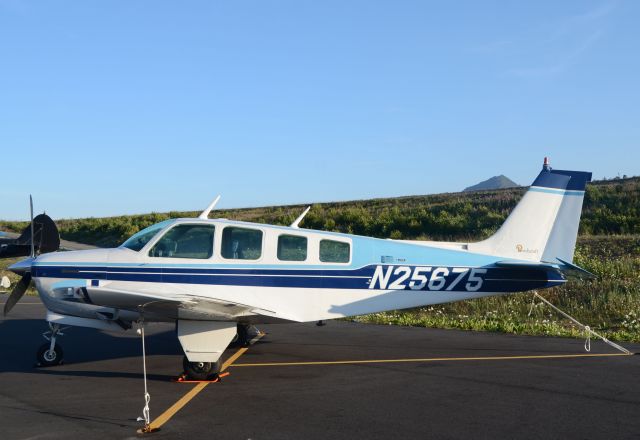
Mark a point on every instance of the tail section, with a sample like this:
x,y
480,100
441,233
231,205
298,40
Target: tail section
x,y
46,238
544,225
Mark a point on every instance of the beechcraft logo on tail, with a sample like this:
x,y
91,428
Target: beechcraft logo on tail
x,y
427,278
521,248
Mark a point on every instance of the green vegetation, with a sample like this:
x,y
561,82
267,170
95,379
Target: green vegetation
x,y
4,263
609,304
609,246
611,207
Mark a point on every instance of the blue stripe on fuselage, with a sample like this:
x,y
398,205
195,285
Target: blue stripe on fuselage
x,y
495,279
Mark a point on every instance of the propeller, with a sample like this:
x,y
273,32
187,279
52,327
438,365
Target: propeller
x,y
17,292
21,268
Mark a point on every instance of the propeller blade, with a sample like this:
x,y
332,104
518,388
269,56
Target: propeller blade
x,y
17,293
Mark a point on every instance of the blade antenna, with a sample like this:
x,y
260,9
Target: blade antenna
x,y
33,249
297,221
205,214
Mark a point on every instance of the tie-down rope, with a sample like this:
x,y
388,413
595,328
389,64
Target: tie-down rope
x,y
147,397
588,331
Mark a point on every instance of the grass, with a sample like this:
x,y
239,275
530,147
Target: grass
x,y
4,272
609,304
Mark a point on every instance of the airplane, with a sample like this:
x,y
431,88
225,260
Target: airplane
x,y
216,277
45,233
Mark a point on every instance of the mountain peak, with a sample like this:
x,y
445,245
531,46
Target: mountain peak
x,y
496,182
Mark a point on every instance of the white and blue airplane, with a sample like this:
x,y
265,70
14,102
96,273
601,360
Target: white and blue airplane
x,y
217,277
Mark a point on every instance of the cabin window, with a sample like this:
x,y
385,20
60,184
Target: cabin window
x,y
241,243
185,241
139,240
334,251
292,248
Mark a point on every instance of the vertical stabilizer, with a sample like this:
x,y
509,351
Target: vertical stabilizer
x,y
544,224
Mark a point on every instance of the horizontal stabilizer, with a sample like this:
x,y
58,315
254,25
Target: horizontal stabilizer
x,y
569,270
575,271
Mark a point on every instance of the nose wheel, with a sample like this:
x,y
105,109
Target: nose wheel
x,y
48,357
200,370
50,354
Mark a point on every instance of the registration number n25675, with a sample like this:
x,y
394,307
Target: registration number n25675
x,y
427,278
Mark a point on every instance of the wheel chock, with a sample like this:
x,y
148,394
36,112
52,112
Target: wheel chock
x,y
183,379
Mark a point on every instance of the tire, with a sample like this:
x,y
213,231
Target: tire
x,y
47,358
200,370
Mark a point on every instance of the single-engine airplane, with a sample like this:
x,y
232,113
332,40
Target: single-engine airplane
x,y
216,277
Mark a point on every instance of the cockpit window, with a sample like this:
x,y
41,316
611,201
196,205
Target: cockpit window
x,y
138,240
185,241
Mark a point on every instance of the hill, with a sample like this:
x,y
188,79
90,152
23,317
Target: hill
x,y
496,182
611,207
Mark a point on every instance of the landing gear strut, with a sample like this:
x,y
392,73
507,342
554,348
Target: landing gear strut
x,y
200,370
50,353
241,339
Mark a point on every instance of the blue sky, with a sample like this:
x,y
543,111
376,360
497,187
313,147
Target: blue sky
x,y
122,107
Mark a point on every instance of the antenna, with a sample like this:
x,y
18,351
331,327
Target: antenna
x,y
33,248
297,221
205,214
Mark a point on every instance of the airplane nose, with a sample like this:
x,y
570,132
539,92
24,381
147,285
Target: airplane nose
x,y
22,267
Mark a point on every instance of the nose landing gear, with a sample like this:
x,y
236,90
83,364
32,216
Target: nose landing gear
x,y
50,353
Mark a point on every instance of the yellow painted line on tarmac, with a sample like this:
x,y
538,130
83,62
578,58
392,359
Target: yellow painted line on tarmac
x,y
173,409
444,359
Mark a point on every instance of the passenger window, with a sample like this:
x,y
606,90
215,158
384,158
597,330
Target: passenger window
x,y
334,251
241,243
185,241
292,248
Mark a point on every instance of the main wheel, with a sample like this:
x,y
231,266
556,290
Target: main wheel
x,y
49,358
200,370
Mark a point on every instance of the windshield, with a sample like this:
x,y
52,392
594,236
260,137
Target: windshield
x,y
138,240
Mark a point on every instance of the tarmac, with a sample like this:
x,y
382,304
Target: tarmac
x,y
339,381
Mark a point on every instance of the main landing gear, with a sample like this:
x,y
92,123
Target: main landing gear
x,y
50,353
210,370
242,337
201,370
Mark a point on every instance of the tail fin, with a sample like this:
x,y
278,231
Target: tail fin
x,y
544,225
46,237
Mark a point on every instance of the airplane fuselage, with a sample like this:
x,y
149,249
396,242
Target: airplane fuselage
x,y
363,275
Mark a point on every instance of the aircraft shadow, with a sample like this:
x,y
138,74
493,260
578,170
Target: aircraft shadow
x,y
21,338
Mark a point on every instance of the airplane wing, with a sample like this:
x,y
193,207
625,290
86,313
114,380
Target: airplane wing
x,y
183,306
